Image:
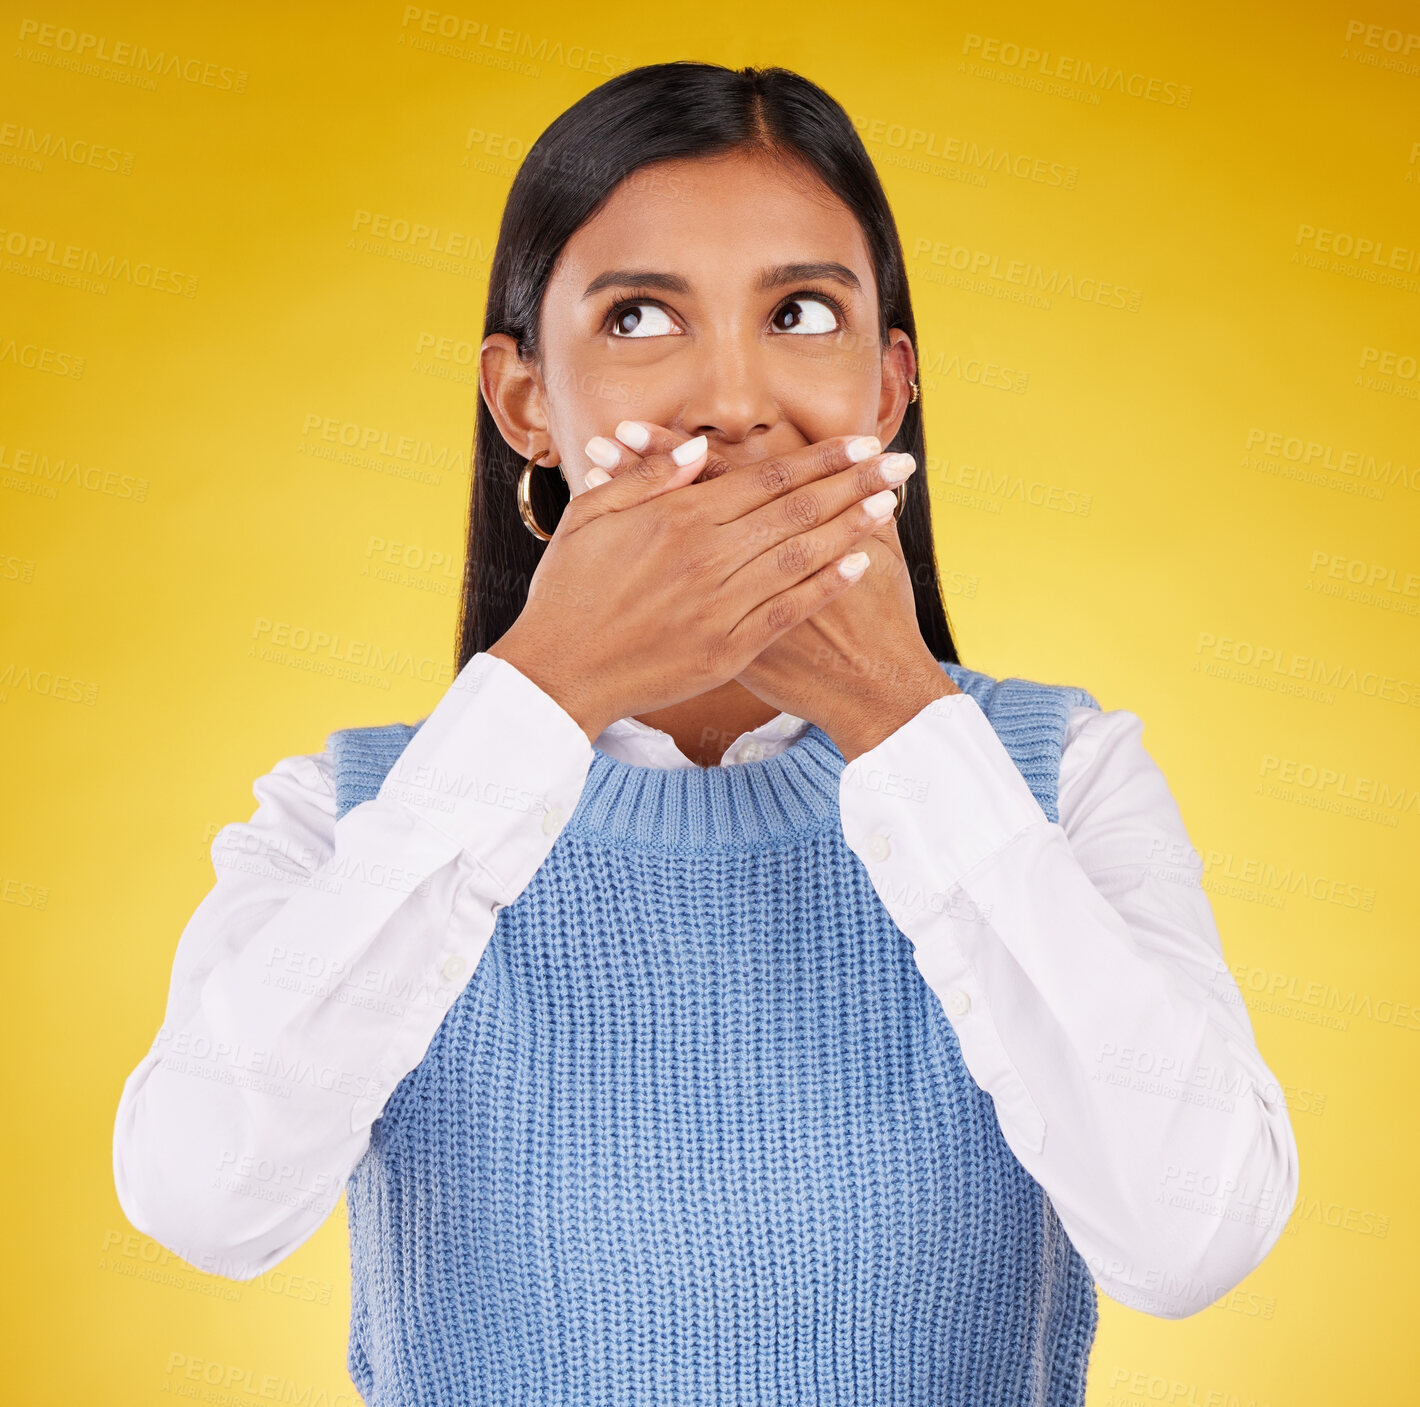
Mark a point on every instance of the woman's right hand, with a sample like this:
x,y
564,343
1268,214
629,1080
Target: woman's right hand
x,y
655,588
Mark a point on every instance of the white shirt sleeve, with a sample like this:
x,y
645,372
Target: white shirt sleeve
x,y
312,977
1081,968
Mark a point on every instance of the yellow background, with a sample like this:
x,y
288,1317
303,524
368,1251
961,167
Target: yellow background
x,y
1202,507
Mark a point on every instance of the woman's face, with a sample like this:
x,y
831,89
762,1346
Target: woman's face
x,y
729,297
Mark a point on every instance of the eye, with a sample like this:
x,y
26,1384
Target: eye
x,y
808,311
822,312
627,319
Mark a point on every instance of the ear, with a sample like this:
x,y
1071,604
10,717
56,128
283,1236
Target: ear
x,y
899,372
514,394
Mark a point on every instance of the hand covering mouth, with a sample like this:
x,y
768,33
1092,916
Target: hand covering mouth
x,y
712,470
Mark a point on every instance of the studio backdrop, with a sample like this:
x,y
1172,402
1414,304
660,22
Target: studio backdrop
x,y
1166,272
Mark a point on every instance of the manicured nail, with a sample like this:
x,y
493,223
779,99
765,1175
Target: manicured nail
x,y
600,450
690,451
597,476
633,434
853,565
896,467
864,447
880,504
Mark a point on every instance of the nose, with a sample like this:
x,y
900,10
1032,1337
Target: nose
x,y
731,401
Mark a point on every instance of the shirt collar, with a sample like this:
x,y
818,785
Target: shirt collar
x,y
631,740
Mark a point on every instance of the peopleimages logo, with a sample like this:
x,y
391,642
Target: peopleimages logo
x,y
20,145
1377,36
1098,77
986,267
919,144
78,45
1281,445
1364,248
1259,662
47,256
470,38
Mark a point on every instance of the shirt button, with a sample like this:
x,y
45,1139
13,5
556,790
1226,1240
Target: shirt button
x,y
787,724
878,847
453,967
958,1002
551,820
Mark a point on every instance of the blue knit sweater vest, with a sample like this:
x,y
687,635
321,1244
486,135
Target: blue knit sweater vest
x,y
697,1131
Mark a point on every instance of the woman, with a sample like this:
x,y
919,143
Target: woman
x,y
724,995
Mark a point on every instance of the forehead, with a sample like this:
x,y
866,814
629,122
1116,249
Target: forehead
x,y
716,217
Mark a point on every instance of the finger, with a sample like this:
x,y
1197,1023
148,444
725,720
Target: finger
x,y
753,485
762,532
797,603
645,437
633,440
638,481
778,564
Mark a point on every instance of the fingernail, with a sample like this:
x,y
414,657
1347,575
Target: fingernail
x,y
600,450
864,447
896,467
690,451
597,476
880,504
633,434
853,565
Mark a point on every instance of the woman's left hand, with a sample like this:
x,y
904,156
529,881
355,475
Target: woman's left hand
x,y
858,667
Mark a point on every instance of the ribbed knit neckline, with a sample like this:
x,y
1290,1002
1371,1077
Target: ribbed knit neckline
x,y
745,805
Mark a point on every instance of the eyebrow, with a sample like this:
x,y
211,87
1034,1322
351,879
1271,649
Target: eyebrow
x,y
775,276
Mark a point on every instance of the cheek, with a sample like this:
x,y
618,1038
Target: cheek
x,y
573,418
838,387
835,404
589,395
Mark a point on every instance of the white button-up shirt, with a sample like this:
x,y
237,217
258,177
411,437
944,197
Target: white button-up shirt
x,y
1078,962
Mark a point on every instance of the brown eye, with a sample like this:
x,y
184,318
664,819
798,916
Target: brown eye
x,y
630,320
806,314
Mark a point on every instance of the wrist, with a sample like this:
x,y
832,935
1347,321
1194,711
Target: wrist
x,y
567,689
876,713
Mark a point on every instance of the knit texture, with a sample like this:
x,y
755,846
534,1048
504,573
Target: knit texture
x,y
696,1131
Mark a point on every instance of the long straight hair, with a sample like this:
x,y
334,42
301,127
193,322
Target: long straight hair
x,y
660,112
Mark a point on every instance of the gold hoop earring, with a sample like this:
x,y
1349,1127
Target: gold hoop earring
x,y
901,492
914,394
525,508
